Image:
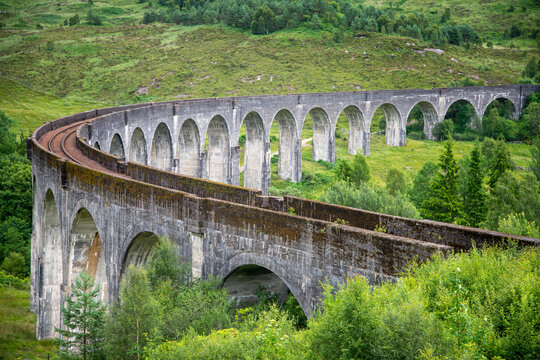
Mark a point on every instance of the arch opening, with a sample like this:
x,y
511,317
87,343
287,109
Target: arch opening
x,y
287,158
86,252
217,150
49,269
464,118
392,125
317,127
420,121
498,120
188,149
139,251
350,124
117,147
137,150
162,153
253,128
248,284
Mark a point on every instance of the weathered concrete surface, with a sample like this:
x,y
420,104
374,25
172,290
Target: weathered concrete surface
x,y
105,215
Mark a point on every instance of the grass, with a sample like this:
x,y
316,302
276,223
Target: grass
x,y
18,328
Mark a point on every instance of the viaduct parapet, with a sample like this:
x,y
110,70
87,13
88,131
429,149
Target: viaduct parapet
x,y
108,182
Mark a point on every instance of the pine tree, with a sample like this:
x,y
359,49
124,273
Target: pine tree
x,y
535,155
83,321
500,163
474,204
442,202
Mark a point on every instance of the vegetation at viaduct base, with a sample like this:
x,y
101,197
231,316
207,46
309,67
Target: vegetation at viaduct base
x,y
59,58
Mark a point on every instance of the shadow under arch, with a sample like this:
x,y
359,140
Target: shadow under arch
x,y
288,143
393,125
189,145
86,252
117,146
50,270
138,251
162,150
138,149
96,145
474,120
256,261
356,121
217,150
429,115
254,151
321,134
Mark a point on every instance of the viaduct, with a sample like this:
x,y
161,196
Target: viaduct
x,y
108,182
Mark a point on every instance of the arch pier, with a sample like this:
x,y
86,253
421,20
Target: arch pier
x,y
172,169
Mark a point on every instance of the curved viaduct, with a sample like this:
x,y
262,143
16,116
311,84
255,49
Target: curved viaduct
x,y
108,182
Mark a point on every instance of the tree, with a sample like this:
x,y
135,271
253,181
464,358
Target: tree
x,y
501,162
263,21
93,18
446,15
14,264
83,320
355,171
442,202
133,315
15,188
315,22
535,156
74,20
531,68
396,182
474,202
530,123
8,143
517,224
443,130
420,187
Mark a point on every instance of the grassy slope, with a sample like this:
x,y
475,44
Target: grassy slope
x,y
18,328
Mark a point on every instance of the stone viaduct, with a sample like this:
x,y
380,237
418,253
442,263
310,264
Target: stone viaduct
x,y
108,182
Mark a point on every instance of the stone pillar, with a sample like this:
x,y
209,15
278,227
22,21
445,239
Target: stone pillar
x,y
367,137
266,170
197,254
234,165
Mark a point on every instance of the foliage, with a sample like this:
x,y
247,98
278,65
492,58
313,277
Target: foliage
x,y
443,130
369,197
419,190
93,19
396,182
501,162
530,122
263,21
10,281
474,199
14,264
495,126
442,202
513,195
517,224
535,158
354,172
83,315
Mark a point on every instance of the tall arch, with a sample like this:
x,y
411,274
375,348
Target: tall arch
x,y
254,151
50,270
137,149
218,149
507,108
189,144
356,130
470,114
321,134
393,133
162,153
86,252
288,142
117,147
429,115
139,250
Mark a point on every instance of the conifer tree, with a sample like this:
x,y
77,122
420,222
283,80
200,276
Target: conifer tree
x,y
83,319
442,202
500,163
474,202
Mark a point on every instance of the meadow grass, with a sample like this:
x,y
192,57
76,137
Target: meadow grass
x,y
18,328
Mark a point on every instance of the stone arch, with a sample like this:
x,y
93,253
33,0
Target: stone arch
x,y
138,149
429,113
138,251
321,134
288,142
356,129
254,151
162,153
189,144
217,150
243,259
49,272
475,119
117,146
393,133
96,145
86,252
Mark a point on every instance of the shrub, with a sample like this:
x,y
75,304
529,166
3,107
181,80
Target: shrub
x,y
517,224
443,129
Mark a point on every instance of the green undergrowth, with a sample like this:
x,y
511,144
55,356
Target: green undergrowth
x,y
18,328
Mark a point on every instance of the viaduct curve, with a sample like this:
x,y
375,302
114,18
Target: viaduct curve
x,y
108,182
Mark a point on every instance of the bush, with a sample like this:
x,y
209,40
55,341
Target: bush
x,y
396,182
468,135
93,19
517,224
74,20
355,171
416,135
14,264
443,129
10,281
